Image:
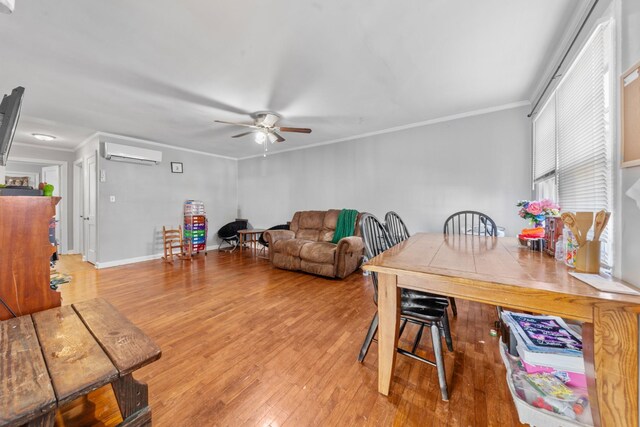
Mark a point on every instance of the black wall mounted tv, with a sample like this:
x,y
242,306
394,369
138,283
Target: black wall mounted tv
x,y
9,116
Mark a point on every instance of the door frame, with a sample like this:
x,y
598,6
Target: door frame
x,y
86,173
78,207
64,230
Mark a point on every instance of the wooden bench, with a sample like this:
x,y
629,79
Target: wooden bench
x,y
52,357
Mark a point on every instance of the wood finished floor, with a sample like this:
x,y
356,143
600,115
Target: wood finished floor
x,y
245,344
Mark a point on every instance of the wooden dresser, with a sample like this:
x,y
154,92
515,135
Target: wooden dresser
x,y
25,252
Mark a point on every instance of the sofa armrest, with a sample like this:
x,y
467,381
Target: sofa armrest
x,y
271,236
350,245
348,256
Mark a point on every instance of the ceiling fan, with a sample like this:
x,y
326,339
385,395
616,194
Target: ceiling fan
x,y
264,128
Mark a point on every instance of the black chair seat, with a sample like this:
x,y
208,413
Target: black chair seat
x,y
423,297
421,312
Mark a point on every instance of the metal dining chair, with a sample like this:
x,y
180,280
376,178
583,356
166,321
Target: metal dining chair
x,y
416,307
469,222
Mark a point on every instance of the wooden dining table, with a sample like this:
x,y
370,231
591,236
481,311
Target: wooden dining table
x,y
500,272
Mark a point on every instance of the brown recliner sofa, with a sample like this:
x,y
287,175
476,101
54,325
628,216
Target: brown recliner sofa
x,y
307,246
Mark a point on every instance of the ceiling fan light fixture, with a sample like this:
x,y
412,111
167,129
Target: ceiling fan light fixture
x,y
272,138
260,137
7,6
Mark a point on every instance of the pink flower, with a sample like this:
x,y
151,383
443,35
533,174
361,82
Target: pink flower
x,y
534,208
548,204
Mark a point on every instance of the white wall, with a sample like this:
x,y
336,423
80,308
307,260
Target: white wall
x,y
148,197
25,167
630,54
424,174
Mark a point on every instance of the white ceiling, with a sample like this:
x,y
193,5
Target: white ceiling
x,y
164,70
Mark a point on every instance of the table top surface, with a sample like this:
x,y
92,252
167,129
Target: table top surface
x,y
53,356
252,231
486,260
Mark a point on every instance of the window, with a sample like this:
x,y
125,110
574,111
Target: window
x,y
572,158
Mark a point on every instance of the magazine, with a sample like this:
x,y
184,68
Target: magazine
x,y
545,334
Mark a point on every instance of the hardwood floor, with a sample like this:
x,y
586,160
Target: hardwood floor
x,y
246,344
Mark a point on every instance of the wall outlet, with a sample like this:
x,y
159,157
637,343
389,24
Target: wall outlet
x,y
112,199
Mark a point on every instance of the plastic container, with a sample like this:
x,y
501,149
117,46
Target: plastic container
x,y
570,248
195,234
197,226
531,415
560,249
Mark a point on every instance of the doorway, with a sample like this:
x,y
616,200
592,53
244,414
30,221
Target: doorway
x,y
31,172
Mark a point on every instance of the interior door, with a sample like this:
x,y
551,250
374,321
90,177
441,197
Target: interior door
x,y
90,206
78,208
51,175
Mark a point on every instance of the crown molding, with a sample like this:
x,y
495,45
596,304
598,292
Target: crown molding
x,y
83,143
403,127
159,144
44,147
319,144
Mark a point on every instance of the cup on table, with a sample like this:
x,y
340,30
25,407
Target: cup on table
x,y
587,258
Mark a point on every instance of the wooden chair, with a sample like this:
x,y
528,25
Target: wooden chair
x,y
398,231
416,307
469,222
172,240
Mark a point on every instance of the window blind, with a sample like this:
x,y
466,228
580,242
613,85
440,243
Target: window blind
x,y
584,163
544,136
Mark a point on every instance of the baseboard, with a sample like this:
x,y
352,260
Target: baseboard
x,y
126,261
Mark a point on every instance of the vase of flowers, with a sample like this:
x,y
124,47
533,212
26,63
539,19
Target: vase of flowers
x,y
537,211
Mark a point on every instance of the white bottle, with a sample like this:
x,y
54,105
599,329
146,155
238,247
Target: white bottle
x,y
559,254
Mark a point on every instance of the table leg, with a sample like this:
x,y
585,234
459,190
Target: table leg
x,y
389,316
46,420
611,364
133,400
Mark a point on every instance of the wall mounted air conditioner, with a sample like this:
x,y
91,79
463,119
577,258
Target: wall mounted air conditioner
x,y
127,153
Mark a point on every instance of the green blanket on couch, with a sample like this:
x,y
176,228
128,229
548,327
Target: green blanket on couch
x,y
346,224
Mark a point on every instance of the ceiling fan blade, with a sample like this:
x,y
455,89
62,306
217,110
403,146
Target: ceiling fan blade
x,y
237,124
242,134
278,136
297,130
